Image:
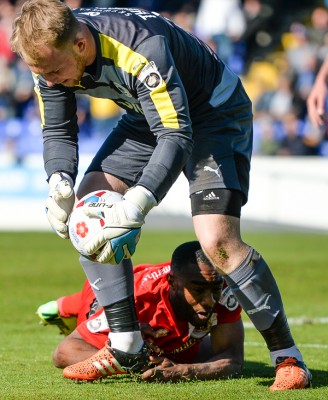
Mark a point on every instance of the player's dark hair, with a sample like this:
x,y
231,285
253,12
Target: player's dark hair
x,y
187,254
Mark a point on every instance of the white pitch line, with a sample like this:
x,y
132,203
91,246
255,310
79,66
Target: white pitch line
x,y
305,345
300,321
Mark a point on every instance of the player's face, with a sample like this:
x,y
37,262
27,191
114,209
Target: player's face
x,y
195,295
65,66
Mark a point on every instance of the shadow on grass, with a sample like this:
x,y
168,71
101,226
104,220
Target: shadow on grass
x,y
252,370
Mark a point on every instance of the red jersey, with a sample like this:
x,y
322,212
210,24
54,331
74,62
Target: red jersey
x,y
180,340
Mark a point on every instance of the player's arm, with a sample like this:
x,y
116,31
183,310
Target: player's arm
x,y
165,104
317,97
227,342
60,152
224,360
57,106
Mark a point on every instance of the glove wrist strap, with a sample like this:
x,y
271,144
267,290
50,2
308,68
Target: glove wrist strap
x,y
142,198
59,176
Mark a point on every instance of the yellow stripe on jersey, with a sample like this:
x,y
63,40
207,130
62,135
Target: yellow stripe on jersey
x,y
40,100
132,62
165,107
125,58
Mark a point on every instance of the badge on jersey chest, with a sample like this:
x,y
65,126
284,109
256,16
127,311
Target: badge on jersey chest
x,y
150,76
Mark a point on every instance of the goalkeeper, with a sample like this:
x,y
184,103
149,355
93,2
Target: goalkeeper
x,y
185,112
179,303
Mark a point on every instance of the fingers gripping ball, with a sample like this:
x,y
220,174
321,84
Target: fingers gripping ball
x,y
90,235
123,246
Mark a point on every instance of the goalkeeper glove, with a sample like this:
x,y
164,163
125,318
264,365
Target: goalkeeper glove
x,y
130,212
119,247
120,233
60,202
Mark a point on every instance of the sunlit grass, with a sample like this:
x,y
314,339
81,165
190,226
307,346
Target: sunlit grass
x,y
37,267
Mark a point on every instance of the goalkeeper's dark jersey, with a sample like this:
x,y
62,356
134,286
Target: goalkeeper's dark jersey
x,y
166,79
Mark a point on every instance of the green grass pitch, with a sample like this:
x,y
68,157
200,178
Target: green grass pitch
x,y
38,267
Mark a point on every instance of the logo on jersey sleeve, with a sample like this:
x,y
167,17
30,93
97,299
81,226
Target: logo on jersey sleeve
x,y
150,76
228,300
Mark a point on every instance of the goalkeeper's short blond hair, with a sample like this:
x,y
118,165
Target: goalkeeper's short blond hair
x,y
42,23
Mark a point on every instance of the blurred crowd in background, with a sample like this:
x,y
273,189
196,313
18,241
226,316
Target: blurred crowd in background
x,y
276,47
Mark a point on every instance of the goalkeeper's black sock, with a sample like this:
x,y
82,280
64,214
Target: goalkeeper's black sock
x,y
278,336
122,319
122,316
279,340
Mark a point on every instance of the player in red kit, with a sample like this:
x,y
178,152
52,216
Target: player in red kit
x,y
179,303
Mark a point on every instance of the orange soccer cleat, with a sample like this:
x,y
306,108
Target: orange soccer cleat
x,y
291,374
107,362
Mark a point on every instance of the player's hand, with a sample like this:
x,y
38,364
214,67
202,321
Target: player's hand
x,y
149,335
60,202
130,212
166,371
316,103
123,219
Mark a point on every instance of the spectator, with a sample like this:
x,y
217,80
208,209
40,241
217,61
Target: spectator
x,y
319,26
7,12
257,35
277,101
292,132
23,90
220,24
318,97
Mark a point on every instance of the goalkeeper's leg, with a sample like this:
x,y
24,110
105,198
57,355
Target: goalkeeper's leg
x,y
113,286
255,288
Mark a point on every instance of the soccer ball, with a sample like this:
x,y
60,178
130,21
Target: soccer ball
x,y
82,228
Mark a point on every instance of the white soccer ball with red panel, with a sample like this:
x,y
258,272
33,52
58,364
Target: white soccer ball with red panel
x,y
82,228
